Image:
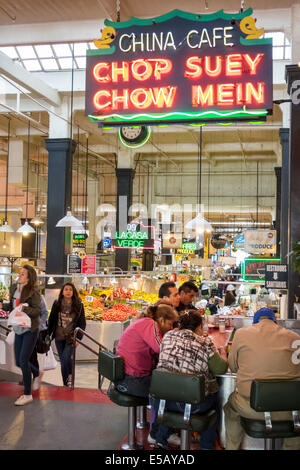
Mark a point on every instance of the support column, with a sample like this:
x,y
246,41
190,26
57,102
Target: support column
x,y
293,83
124,200
278,209
285,191
93,203
59,199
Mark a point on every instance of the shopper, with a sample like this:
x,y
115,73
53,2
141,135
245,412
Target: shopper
x,y
262,350
34,356
187,293
169,291
67,313
25,292
186,351
230,299
139,346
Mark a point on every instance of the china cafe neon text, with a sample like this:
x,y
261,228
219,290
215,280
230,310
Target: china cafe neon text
x,y
211,69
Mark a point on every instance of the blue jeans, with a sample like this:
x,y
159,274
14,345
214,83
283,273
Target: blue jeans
x,y
24,346
208,436
65,352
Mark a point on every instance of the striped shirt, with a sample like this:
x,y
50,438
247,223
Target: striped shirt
x,y
185,352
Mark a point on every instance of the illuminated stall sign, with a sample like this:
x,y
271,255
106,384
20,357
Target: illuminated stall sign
x,y
253,269
180,67
136,236
79,240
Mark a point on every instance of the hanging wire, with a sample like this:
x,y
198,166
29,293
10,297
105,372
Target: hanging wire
x,y
77,173
7,170
86,181
118,11
28,155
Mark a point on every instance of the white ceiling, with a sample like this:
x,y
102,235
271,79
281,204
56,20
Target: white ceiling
x,y
42,11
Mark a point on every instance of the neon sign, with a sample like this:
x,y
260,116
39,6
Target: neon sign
x,y
136,236
180,67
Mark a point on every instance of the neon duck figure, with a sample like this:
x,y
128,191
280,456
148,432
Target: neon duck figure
x,y
247,26
108,35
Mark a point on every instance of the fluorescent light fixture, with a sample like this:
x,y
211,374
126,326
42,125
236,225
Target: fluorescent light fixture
x,y
26,52
44,51
10,51
69,221
6,227
25,229
62,50
49,64
32,65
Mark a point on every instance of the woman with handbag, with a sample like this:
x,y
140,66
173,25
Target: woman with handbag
x,y
22,293
67,313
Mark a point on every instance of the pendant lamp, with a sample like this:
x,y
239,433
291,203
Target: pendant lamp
x,y
69,220
51,281
26,228
5,227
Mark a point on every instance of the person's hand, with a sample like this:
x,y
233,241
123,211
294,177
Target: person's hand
x,y
76,345
222,352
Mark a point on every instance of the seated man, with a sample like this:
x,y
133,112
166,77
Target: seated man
x,y
262,350
169,291
187,293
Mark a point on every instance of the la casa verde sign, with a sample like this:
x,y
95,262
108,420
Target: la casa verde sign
x,y
135,236
180,67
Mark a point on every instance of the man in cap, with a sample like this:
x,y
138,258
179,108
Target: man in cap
x,y
262,350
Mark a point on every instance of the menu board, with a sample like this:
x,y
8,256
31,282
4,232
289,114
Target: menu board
x,y
276,276
74,264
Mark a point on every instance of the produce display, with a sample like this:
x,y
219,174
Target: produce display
x,y
112,309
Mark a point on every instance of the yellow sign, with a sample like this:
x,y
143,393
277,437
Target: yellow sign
x,y
182,251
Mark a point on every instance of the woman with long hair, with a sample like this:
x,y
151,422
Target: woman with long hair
x,y
22,293
67,313
139,346
187,351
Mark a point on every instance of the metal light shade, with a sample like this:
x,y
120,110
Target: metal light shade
x,y
26,228
69,221
37,221
51,281
6,227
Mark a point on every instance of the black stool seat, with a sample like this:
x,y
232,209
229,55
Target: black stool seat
x,y
122,399
257,429
197,422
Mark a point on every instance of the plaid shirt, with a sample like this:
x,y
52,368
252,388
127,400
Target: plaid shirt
x,y
183,351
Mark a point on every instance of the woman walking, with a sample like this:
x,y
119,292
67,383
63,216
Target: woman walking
x,y
67,313
25,292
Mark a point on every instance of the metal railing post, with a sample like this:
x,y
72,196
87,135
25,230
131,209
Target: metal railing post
x,y
74,359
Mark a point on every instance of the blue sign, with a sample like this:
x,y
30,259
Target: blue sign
x,y
107,243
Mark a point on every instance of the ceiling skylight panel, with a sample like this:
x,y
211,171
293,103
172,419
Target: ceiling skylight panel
x,y
66,63
80,49
49,64
10,52
44,51
81,62
62,50
26,52
32,65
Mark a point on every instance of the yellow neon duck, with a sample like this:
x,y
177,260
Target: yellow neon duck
x,y
248,27
108,35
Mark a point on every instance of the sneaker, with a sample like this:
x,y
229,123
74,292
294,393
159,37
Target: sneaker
x,y
151,440
23,400
69,381
160,446
174,440
36,383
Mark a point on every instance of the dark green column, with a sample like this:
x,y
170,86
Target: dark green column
x,y
124,200
59,200
293,229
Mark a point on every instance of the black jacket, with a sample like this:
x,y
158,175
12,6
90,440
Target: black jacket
x,y
53,320
182,307
32,298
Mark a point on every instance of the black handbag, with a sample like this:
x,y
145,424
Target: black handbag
x,y
43,342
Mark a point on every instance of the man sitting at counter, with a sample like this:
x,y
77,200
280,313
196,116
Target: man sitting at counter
x,y
187,293
262,350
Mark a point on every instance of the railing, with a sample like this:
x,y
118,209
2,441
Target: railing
x,y
76,340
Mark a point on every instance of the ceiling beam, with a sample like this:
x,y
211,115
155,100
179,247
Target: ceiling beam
x,y
27,80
